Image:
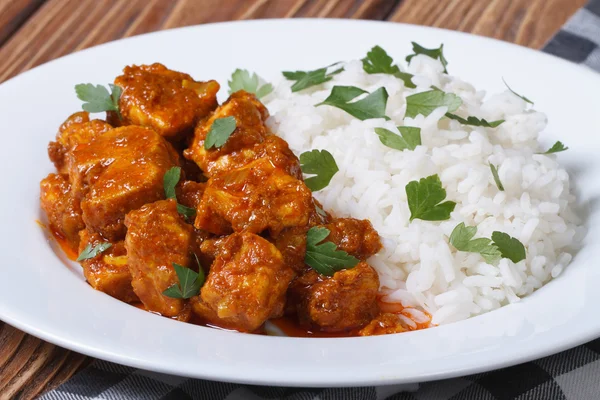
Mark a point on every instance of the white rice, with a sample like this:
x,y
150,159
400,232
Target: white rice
x,y
417,266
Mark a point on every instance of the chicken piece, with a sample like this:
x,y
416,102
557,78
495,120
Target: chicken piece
x,y
347,300
291,242
383,324
189,193
118,172
250,116
354,236
108,271
167,101
246,284
157,237
62,210
76,130
254,198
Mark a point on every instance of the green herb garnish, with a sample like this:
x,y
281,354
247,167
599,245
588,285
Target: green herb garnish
x,y
517,94
189,284
556,148
462,239
473,121
325,258
97,98
409,138
91,252
378,61
426,102
510,247
372,106
219,132
437,54
170,180
242,80
496,177
306,79
320,163
425,197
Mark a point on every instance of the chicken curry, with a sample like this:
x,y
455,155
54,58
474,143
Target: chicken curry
x,y
202,229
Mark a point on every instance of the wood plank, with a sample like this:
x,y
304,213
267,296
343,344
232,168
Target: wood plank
x,y
526,22
13,13
10,338
28,372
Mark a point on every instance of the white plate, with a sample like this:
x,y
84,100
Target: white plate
x,y
47,297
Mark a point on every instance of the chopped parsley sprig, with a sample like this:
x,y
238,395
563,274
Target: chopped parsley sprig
x,y
409,138
556,148
241,79
189,284
378,61
92,251
462,239
436,54
517,94
425,198
474,121
425,103
501,245
219,132
306,79
320,163
496,177
98,99
371,106
170,180
325,258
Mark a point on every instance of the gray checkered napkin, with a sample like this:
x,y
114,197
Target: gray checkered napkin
x,y
571,375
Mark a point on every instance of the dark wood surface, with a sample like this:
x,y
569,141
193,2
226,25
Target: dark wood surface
x,y
33,32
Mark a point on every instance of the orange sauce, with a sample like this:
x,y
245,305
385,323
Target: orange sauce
x,y
291,328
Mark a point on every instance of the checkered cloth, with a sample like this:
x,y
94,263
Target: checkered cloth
x,y
570,375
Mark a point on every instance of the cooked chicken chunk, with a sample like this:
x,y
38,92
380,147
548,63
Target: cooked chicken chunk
x,y
108,271
120,171
250,116
157,237
189,193
63,211
167,101
246,284
76,130
354,236
383,324
254,198
347,300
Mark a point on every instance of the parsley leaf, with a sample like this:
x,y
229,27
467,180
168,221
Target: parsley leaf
x,y
325,258
91,252
372,106
424,200
378,61
189,284
556,148
433,53
322,164
219,132
426,102
496,177
510,247
306,79
473,121
462,239
409,138
517,94
242,80
170,180
97,98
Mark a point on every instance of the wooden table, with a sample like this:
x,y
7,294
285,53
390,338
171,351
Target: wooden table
x,y
35,31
